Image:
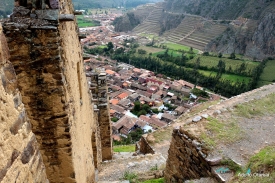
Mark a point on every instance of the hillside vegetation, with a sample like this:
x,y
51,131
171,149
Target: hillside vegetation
x,y
6,7
254,35
227,26
84,4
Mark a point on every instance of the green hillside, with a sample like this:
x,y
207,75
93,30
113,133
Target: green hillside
x,y
83,4
5,7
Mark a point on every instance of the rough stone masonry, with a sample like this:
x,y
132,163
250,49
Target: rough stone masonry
x,y
47,59
21,160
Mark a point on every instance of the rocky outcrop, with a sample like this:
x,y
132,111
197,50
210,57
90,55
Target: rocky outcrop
x,y
21,160
256,41
170,21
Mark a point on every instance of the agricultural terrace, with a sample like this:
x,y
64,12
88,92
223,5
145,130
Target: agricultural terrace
x,y
150,36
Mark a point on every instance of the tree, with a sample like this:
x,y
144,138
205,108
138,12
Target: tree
x,y
146,107
221,66
220,55
110,46
232,56
114,119
141,51
137,106
142,112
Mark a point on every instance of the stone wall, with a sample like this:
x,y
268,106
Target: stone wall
x,y
99,90
186,158
21,160
142,146
47,58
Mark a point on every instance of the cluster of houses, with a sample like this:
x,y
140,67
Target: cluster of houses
x,y
102,35
127,84
167,98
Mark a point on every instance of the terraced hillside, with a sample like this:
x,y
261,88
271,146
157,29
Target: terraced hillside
x,y
195,32
152,23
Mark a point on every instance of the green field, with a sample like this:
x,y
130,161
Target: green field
x,y
102,46
175,46
174,53
211,61
150,49
230,77
85,22
124,148
268,74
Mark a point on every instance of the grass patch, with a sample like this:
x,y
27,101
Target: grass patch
x,y
163,134
232,165
262,163
170,52
160,180
102,46
155,167
85,22
264,160
201,107
268,75
129,176
125,148
221,132
150,49
232,77
176,47
211,61
257,107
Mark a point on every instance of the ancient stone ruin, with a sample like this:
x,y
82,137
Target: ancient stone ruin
x,y
46,66
23,160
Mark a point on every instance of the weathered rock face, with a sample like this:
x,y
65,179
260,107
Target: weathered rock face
x,y
186,158
47,58
21,160
255,39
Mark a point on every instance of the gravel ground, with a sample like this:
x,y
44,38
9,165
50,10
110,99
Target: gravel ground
x,y
122,162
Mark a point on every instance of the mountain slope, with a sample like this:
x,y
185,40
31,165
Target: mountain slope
x,y
83,4
6,7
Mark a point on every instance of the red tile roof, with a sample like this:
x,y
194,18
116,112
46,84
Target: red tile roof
x,y
157,122
110,72
114,101
122,96
153,81
144,118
